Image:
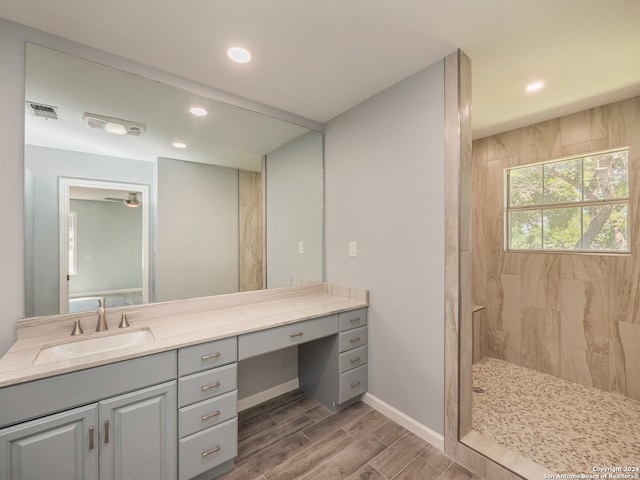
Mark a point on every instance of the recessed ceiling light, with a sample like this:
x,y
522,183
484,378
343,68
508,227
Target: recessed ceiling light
x,y
198,111
239,54
179,145
534,86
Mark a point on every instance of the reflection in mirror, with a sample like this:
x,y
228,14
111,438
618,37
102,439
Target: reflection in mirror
x,y
206,202
103,243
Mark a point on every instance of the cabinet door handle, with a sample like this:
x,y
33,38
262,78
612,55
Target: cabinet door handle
x,y
91,430
209,452
354,360
354,340
209,357
106,431
204,388
211,415
294,335
354,385
354,320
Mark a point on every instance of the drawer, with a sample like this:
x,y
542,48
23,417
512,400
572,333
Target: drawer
x,y
352,359
207,449
208,384
353,319
257,343
208,413
352,383
352,339
207,355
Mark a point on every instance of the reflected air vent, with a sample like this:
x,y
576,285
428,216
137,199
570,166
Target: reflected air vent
x,y
115,126
45,111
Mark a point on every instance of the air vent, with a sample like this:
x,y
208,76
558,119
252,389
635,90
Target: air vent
x,y
116,126
45,111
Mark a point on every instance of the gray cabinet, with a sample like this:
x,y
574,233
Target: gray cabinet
x,y
207,398
132,436
57,447
114,435
138,435
333,369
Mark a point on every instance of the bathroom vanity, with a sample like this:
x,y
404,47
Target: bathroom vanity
x,y
167,408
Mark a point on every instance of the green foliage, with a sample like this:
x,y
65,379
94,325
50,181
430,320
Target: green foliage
x,y
545,204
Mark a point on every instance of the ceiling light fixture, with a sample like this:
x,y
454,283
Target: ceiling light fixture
x,y
198,111
239,54
179,145
112,125
534,86
115,128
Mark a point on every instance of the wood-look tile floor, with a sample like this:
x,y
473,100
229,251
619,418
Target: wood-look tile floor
x,y
293,437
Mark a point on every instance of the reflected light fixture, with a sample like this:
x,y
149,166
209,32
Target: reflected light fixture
x,y
115,128
179,145
198,111
112,125
534,86
239,54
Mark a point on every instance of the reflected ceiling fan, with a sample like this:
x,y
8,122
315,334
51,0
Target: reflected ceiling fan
x,y
132,200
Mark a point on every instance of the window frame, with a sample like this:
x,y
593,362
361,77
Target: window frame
x,y
542,207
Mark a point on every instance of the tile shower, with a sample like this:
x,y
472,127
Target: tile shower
x,y
572,316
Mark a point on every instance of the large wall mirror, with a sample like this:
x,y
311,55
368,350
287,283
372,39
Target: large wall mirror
x,y
133,196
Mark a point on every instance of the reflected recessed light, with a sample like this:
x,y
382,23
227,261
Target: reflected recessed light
x,y
534,86
239,54
198,111
179,145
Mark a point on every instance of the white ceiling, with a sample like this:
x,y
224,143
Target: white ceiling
x,y
318,58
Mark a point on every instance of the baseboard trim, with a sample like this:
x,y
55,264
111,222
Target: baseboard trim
x,y
422,431
273,392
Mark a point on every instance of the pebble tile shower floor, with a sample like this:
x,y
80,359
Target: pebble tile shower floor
x,y
567,427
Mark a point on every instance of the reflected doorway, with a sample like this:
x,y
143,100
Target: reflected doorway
x,y
104,239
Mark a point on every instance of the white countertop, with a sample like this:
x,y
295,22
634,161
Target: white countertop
x,y
174,325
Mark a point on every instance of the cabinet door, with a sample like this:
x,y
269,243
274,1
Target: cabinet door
x,y
57,447
138,435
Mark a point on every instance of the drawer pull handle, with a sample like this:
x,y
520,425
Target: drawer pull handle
x,y
204,388
106,431
209,357
212,451
91,430
211,415
354,320
294,335
354,360
354,385
354,340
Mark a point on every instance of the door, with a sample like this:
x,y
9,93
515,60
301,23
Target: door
x,y
138,435
57,447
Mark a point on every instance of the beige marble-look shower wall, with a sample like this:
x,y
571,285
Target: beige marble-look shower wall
x,y
576,316
250,231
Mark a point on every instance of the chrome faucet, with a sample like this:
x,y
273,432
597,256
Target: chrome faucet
x,y
102,320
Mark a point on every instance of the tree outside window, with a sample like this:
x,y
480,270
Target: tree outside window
x,y
576,204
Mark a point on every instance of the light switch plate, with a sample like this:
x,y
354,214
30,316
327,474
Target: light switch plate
x,y
353,248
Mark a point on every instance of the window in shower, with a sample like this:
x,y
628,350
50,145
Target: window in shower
x,y
578,204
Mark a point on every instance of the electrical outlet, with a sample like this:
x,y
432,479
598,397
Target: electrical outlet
x,y
353,248
300,247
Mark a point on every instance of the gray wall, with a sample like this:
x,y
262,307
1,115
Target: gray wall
x,y
384,188
294,211
197,230
12,284
45,166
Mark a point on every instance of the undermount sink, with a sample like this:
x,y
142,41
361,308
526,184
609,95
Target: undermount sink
x,y
82,347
